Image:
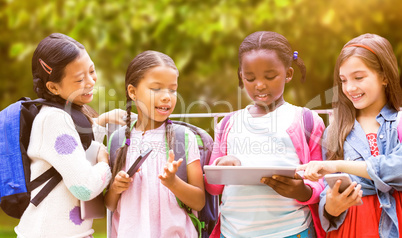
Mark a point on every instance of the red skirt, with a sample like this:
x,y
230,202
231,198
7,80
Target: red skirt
x,y
362,221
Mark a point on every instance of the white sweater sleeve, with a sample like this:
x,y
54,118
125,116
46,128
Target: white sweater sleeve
x,y
59,144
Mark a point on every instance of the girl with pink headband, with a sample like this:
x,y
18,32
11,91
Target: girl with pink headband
x,y
363,142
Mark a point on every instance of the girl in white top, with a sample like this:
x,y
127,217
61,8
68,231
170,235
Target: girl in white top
x,y
267,133
145,205
63,73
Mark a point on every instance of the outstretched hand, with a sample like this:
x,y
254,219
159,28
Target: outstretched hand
x,y
115,116
289,187
315,170
168,174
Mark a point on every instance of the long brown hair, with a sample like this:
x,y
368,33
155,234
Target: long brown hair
x,y
268,40
377,54
138,67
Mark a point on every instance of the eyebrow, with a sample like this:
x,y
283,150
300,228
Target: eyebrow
x,y
78,74
266,71
355,72
158,83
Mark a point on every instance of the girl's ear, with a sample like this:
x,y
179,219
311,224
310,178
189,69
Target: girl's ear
x,y
384,81
132,92
53,87
289,74
240,77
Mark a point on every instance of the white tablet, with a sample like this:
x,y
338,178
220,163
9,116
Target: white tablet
x,y
242,175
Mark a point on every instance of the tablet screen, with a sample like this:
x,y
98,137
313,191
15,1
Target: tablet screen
x,y
242,175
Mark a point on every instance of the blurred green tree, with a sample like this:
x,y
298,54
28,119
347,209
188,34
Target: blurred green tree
x,y
201,36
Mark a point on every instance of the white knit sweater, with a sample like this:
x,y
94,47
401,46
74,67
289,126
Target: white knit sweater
x,y
55,142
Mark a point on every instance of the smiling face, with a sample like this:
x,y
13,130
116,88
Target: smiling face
x,y
362,86
79,79
264,76
155,96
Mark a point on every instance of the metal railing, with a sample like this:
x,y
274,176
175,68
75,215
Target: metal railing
x,y
216,116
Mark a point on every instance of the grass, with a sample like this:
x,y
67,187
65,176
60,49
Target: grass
x,y
7,225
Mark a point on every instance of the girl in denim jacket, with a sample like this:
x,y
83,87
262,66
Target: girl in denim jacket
x,y
268,132
363,142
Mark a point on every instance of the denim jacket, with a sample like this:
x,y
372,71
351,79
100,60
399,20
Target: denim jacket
x,y
384,169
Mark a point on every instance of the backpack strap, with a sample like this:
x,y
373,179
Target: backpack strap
x,y
116,140
48,187
225,121
204,141
82,123
180,150
308,123
196,222
84,129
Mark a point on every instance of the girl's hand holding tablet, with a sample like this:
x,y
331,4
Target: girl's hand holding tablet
x,y
227,160
289,187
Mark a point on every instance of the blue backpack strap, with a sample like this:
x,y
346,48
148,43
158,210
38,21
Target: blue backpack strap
x,y
308,123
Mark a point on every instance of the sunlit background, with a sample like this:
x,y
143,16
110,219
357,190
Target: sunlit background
x,y
202,37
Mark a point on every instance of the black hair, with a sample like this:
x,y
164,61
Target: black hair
x,y
49,61
268,40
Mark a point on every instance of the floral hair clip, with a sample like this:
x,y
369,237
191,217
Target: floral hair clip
x,y
46,67
295,55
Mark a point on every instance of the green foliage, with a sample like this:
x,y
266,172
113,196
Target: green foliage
x,y
201,36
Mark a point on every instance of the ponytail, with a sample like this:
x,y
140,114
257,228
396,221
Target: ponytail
x,y
300,64
122,151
